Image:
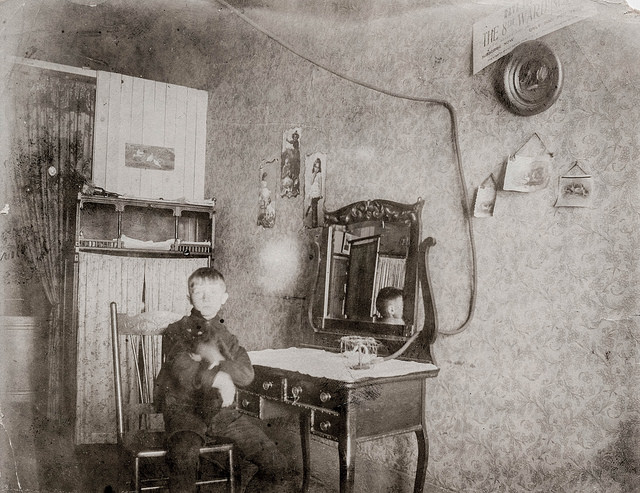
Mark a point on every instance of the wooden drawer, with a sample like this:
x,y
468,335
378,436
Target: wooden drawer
x,y
316,392
325,424
266,383
248,403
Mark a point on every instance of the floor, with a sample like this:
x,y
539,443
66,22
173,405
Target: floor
x,y
36,457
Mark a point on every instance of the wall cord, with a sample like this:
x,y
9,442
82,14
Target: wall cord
x,y
454,140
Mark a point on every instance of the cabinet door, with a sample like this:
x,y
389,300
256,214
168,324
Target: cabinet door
x,y
101,279
154,119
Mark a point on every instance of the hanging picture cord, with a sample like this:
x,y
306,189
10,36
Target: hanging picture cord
x,y
454,139
536,134
576,165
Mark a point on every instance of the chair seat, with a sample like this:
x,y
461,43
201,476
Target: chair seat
x,y
152,444
144,441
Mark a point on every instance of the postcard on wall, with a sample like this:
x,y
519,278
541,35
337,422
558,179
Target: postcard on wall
x,y
485,198
268,178
575,188
290,163
149,157
526,173
315,167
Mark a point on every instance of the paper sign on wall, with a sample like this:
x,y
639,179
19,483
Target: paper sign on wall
x,y
499,33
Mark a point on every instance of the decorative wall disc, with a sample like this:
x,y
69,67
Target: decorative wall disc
x,y
529,79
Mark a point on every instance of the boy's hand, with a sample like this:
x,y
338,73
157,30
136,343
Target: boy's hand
x,y
223,382
210,352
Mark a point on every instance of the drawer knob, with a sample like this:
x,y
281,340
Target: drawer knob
x,y
325,426
325,396
245,403
267,385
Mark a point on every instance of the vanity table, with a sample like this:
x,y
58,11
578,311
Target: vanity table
x,y
360,249
340,404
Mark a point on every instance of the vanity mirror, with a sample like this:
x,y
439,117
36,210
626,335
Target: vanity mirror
x,y
367,250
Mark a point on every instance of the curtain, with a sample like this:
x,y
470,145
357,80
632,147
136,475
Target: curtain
x,y
390,272
51,158
136,284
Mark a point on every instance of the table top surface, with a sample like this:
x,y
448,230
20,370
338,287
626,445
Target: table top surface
x,y
336,366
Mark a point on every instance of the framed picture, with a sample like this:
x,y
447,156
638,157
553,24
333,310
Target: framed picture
x,y
346,243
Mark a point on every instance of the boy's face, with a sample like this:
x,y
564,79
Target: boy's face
x,y
395,307
208,296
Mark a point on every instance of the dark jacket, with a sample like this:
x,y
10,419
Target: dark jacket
x,y
183,390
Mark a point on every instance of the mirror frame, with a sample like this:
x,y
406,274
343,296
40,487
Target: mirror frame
x,y
327,331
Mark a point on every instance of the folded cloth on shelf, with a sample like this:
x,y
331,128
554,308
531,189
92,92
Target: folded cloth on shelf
x,y
128,242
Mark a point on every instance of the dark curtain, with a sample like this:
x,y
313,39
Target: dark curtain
x,y
52,150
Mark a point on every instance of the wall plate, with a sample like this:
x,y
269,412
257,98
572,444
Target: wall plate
x,y
529,79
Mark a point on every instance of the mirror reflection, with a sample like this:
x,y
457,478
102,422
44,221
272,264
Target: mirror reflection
x,y
368,270
367,279
372,279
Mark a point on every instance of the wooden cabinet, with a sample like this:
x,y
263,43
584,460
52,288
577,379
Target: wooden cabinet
x,y
142,226
138,253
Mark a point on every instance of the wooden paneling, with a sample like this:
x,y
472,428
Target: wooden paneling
x,y
131,110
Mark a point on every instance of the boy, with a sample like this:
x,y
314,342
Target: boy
x,y
196,388
390,305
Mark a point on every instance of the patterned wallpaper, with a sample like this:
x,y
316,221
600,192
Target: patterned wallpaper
x,y
540,392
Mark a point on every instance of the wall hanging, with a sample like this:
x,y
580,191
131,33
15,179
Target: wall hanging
x,y
529,79
290,163
575,188
315,166
485,198
527,169
267,175
149,157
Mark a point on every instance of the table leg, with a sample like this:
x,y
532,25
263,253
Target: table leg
x,y
423,458
347,457
305,427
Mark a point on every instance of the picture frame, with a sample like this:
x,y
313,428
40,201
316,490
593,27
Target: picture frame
x,y
346,244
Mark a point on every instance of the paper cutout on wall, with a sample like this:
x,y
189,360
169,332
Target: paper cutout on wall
x,y
527,169
485,198
575,188
149,157
315,166
268,176
290,163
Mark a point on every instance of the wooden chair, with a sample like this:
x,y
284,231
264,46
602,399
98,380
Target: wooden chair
x,y
137,356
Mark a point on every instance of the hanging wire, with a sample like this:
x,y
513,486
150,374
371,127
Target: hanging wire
x,y
454,140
